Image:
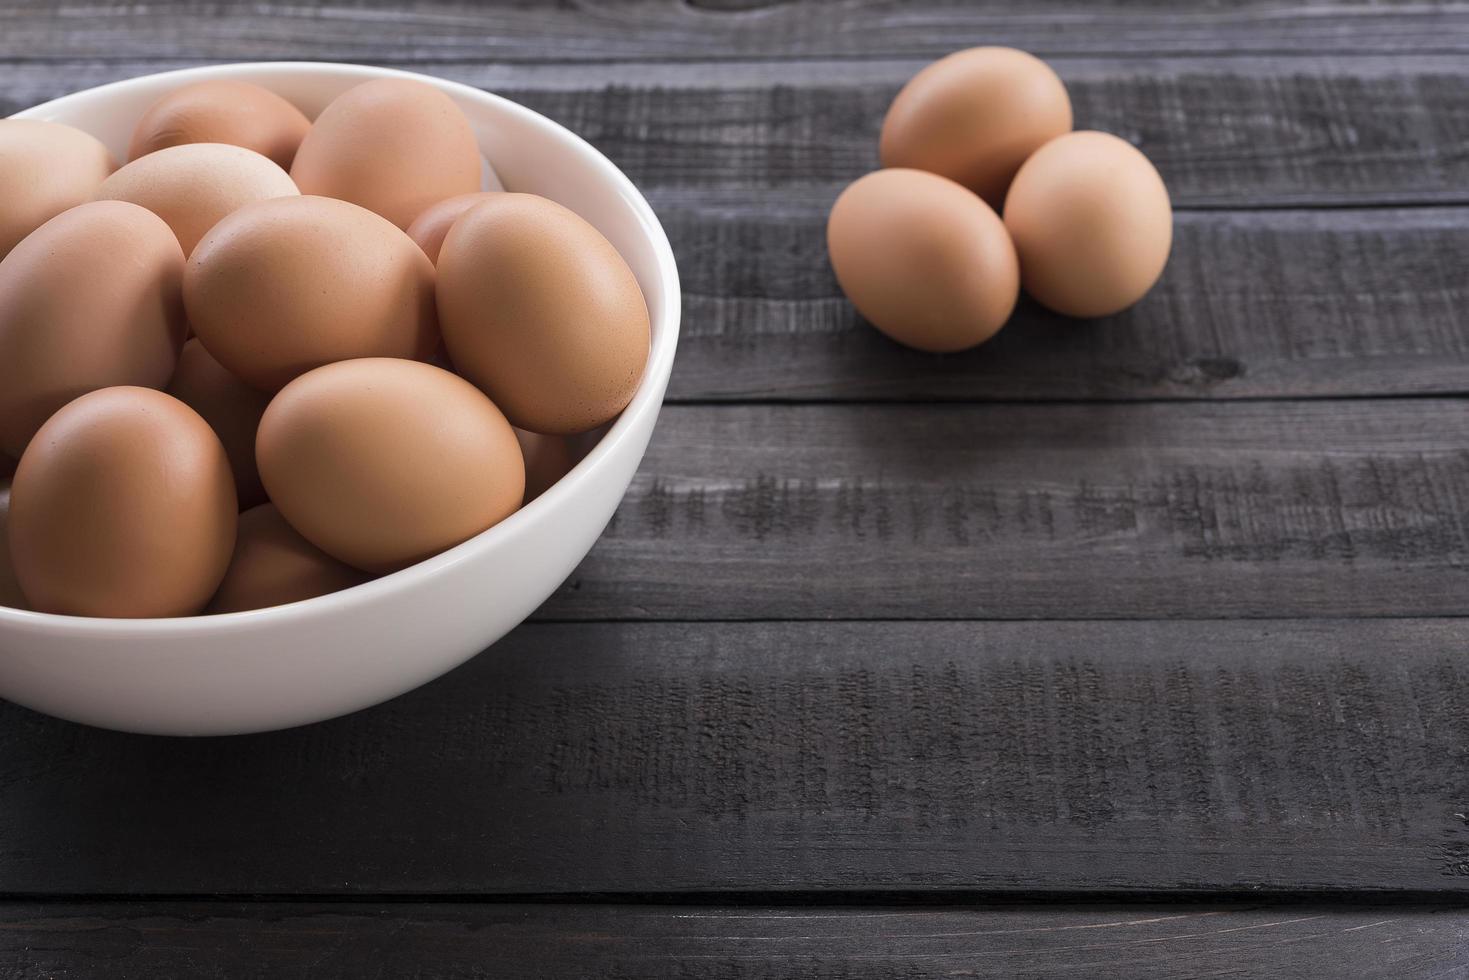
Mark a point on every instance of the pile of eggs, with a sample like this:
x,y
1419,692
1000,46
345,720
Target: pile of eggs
x,y
269,358
986,189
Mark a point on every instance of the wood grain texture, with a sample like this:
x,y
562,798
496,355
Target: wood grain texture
x,y
1084,754
1224,132
1349,508
1255,304
518,942
616,30
926,757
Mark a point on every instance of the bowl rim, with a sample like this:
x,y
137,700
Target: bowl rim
x,y
648,399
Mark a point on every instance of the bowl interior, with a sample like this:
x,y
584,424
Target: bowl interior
x,y
527,152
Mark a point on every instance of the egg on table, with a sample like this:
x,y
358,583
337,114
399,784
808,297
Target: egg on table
x,y
45,168
1091,222
974,117
222,111
289,284
382,462
74,318
123,505
540,311
394,146
924,259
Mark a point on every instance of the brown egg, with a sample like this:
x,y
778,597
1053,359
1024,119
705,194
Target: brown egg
x,y
273,565
221,111
394,146
430,227
382,463
193,186
974,117
123,505
1091,222
45,168
547,459
232,409
286,285
923,259
10,594
91,299
540,311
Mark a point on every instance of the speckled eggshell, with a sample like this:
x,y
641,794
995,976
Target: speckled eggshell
x,y
222,111
123,506
431,227
542,313
193,186
45,168
974,117
547,459
90,299
232,409
273,565
924,259
10,594
287,285
393,145
1092,224
382,463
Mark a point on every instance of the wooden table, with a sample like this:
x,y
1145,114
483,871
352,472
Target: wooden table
x,y
1128,648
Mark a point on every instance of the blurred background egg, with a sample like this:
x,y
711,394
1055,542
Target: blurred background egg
x,y
90,299
193,186
45,168
232,409
1091,222
292,283
273,565
10,594
974,117
542,313
394,146
925,260
123,505
430,227
222,111
547,459
382,463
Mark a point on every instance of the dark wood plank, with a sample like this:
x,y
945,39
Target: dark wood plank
x,y
1317,508
611,758
1257,131
610,30
317,942
1255,304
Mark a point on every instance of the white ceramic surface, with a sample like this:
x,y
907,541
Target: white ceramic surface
x,y
274,668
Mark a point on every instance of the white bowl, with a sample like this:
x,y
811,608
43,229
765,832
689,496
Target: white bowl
x,y
274,668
